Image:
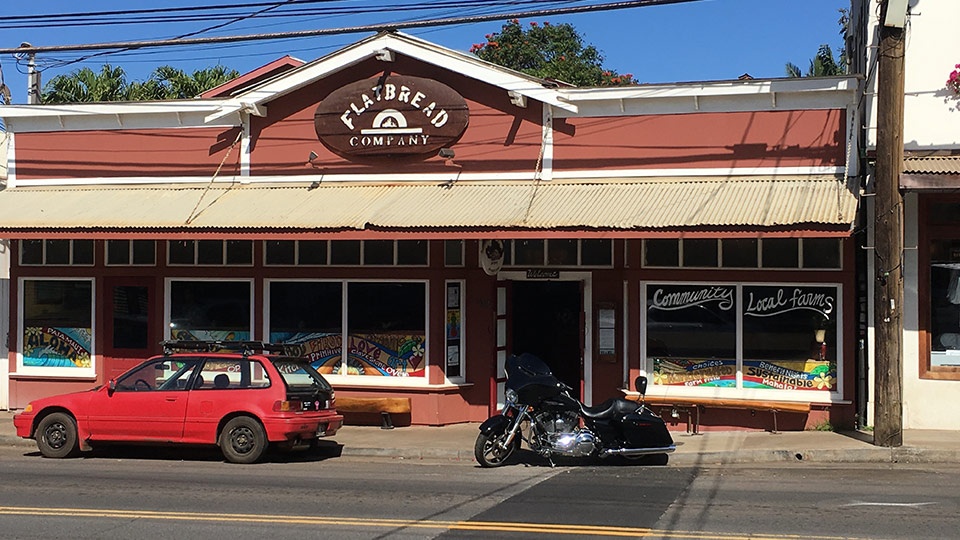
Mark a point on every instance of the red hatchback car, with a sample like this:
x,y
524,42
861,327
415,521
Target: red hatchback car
x,y
238,395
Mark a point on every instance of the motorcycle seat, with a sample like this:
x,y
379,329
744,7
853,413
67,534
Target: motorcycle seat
x,y
611,408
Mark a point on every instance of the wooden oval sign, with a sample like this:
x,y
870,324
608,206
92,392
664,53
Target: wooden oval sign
x,y
392,116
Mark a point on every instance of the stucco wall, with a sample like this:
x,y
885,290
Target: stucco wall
x,y
931,111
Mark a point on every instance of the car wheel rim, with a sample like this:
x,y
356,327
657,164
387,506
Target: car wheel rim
x,y
55,435
242,440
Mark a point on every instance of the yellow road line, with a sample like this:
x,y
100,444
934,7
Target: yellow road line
x,y
552,528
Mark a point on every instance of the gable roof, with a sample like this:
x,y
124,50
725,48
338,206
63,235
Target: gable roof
x,y
383,47
247,80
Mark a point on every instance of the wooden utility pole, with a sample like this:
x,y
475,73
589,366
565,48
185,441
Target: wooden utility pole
x,y
888,238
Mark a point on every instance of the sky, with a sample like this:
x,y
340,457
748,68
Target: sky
x,y
691,41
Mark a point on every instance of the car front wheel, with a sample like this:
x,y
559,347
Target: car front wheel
x,y
243,440
57,436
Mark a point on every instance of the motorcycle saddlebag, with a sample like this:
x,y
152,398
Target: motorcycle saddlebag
x,y
644,429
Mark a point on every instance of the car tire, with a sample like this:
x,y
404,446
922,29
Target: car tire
x,y
57,436
243,440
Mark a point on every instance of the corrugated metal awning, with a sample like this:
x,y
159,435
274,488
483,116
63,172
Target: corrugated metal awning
x,y
649,204
936,172
931,165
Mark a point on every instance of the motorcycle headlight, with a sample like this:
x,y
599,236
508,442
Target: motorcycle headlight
x,y
510,395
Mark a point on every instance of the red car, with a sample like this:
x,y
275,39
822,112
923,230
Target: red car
x,y
242,401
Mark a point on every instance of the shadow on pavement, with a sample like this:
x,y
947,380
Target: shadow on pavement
x,y
323,451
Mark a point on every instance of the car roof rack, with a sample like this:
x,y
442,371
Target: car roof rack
x,y
246,347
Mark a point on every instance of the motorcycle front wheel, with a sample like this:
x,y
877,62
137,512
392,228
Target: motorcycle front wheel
x,y
489,449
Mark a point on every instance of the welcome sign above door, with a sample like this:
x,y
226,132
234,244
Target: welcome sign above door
x,y
391,116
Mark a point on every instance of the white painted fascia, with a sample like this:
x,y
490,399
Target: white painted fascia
x,y
117,115
375,47
712,89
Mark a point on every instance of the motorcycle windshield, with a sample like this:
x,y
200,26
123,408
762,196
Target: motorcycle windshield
x,y
528,369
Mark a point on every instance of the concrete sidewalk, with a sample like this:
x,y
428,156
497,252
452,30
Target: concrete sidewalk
x,y
456,442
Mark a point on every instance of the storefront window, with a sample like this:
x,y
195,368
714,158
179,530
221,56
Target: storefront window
x,y
210,310
789,337
386,330
57,332
945,303
309,314
692,334
786,336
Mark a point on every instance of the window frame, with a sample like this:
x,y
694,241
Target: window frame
x,y
58,372
361,256
43,248
168,308
224,255
930,231
359,380
840,242
834,395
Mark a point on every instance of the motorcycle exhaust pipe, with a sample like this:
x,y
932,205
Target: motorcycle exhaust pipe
x,y
630,452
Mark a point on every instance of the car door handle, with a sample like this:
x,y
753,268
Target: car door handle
x,y
171,399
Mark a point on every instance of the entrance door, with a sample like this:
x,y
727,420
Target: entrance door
x,y
546,320
131,334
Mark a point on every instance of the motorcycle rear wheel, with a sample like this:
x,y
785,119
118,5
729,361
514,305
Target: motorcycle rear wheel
x,y
489,452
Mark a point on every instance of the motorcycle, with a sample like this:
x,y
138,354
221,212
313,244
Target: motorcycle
x,y
561,425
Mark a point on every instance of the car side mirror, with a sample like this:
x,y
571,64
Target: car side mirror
x,y
112,386
641,384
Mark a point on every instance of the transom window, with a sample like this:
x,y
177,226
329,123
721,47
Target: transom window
x,y
558,252
745,253
131,252
210,252
346,252
56,252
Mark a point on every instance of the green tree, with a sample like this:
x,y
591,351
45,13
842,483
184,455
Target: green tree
x,y
549,52
86,85
111,84
822,65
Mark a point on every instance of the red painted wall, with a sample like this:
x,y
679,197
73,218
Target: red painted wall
x,y
499,136
126,152
702,140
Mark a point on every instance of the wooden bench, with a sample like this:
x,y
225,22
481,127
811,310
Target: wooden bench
x,y
692,406
385,406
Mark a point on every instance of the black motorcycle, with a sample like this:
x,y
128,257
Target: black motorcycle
x,y
559,424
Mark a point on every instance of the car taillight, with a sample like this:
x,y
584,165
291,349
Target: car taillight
x,y
287,405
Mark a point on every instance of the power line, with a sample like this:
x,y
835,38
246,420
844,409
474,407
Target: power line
x,y
173,15
128,45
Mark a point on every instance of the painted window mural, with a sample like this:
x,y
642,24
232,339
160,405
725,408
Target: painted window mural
x,y
790,337
57,333
786,335
692,334
381,341
309,314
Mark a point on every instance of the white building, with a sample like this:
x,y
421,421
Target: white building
x,y
930,183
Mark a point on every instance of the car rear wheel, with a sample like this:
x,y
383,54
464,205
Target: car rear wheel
x,y
57,436
243,440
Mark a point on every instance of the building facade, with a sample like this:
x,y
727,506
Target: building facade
x,y
931,213
407,216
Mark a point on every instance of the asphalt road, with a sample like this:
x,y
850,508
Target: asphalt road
x,y
164,493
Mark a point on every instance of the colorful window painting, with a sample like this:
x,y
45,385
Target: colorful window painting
x,y
786,335
692,334
381,341
57,332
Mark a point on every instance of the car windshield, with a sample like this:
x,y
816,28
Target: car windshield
x,y
298,373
